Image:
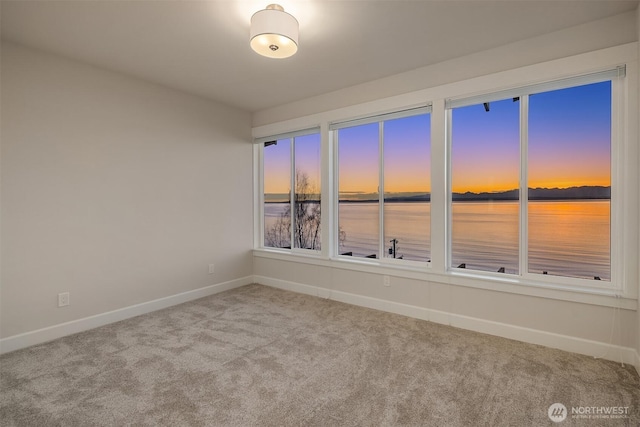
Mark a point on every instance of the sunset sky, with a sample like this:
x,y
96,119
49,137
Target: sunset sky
x,y
406,156
570,137
569,141
277,167
569,145
277,162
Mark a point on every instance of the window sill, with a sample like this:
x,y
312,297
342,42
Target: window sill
x,y
514,285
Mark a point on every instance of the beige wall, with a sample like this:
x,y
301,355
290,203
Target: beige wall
x,y
115,190
573,319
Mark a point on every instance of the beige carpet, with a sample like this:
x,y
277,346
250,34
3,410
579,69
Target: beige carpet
x,y
258,356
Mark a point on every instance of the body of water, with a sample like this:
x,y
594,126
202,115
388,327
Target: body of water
x,y
566,238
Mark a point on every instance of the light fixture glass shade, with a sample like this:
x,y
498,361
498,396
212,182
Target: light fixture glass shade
x,y
274,33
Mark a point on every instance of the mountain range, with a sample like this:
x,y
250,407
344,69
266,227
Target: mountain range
x,y
583,193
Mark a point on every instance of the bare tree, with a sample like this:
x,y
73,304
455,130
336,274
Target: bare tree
x,y
306,219
306,215
279,234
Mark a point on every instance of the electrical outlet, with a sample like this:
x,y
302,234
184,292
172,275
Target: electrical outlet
x,y
212,268
63,299
386,281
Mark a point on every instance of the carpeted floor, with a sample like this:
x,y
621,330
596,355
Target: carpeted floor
x,y
258,356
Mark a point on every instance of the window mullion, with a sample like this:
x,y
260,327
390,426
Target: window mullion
x,y
292,193
326,194
259,197
381,241
524,186
618,187
335,211
448,213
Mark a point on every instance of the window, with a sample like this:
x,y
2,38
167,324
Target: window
x,y
384,187
531,181
569,181
485,155
277,194
528,188
292,162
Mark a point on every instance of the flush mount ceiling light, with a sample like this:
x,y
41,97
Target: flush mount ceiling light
x,y
274,33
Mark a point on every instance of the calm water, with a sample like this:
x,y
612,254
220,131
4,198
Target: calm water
x,y
568,238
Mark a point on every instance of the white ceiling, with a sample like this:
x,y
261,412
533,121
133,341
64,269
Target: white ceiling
x,y
202,47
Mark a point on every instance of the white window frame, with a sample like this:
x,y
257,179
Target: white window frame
x,y
260,143
380,119
625,179
617,78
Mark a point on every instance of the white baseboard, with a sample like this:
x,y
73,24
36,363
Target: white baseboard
x,y
533,336
39,336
